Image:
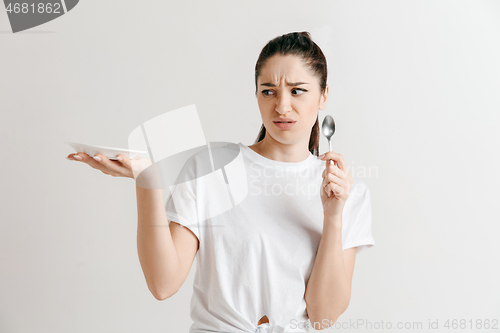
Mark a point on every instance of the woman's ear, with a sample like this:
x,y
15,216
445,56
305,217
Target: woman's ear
x,y
323,98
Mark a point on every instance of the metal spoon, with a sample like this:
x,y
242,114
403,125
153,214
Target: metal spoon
x,y
328,128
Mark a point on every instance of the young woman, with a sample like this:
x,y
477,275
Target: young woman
x,y
285,254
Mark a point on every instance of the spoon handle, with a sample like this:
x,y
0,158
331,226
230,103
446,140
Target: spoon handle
x,y
330,148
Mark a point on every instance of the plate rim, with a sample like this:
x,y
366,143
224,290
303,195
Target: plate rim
x,y
105,147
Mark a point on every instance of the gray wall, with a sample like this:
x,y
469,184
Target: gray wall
x,y
414,92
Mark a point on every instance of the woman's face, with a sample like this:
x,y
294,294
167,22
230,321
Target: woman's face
x,y
287,89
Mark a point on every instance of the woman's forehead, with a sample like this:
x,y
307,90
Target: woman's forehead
x,y
284,68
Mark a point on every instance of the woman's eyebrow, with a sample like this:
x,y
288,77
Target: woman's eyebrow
x,y
288,84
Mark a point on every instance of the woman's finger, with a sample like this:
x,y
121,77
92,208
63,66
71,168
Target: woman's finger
x,y
83,157
334,190
75,157
115,166
338,158
92,162
330,168
331,178
70,157
335,184
128,164
125,161
333,168
329,189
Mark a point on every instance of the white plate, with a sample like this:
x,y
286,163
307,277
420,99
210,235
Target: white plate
x,y
109,152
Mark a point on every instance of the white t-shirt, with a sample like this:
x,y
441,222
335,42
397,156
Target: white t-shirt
x,y
259,223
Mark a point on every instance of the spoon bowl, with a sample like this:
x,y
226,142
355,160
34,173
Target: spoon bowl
x,y
328,129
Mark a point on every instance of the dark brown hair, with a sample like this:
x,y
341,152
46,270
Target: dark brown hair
x,y
298,44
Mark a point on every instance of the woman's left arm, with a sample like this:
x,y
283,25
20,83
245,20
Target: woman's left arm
x,y
328,291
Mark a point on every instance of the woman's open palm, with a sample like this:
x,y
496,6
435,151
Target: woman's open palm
x,y
126,167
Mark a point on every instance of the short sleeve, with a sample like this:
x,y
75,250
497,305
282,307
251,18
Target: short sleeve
x,y
357,230
181,202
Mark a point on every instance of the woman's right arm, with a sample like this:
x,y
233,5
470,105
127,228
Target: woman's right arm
x,y
166,251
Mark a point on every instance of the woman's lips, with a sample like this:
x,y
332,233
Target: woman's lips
x,y
284,125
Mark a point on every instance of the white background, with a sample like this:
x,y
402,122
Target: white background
x,y
414,91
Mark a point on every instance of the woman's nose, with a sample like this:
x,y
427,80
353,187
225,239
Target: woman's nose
x,y
283,104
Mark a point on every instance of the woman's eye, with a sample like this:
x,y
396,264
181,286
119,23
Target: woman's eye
x,y
301,91
297,92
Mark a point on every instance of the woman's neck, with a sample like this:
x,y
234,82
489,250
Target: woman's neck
x,y
277,151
